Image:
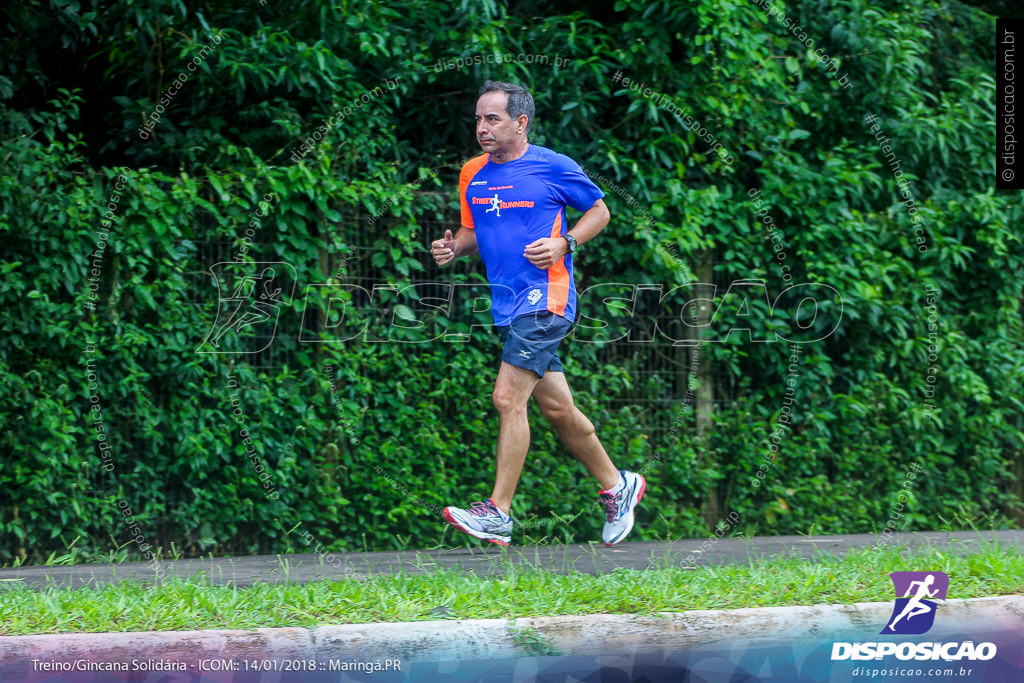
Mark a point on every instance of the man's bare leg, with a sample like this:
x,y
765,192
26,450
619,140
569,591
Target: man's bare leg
x,y
511,393
577,432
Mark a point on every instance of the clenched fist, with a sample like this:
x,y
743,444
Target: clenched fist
x,y
546,252
443,250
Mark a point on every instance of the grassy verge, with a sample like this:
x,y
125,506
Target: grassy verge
x,y
861,576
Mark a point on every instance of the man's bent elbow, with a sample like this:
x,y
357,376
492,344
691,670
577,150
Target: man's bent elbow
x,y
602,214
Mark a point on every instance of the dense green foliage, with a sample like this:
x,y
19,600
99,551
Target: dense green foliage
x,y
359,443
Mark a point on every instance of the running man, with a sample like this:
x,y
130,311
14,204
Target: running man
x,y
914,605
513,200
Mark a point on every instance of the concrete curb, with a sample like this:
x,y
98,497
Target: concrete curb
x,y
494,639
722,629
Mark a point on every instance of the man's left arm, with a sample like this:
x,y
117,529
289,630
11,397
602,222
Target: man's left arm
x,y
547,251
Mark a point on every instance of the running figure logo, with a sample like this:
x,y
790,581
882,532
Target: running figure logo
x,y
256,301
912,613
495,206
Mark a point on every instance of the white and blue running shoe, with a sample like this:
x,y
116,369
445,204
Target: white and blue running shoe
x,y
483,520
620,508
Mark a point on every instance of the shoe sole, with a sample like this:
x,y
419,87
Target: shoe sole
x,y
639,497
482,535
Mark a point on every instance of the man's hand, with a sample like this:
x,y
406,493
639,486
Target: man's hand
x,y
546,251
443,250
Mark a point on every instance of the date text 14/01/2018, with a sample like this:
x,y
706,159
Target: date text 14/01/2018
x,y
298,665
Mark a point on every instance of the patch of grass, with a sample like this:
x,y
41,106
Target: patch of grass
x,y
531,643
859,576
74,555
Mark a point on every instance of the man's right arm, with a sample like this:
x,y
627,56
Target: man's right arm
x,y
465,242
448,248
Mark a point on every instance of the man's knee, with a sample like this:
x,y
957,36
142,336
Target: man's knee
x,y
508,401
558,414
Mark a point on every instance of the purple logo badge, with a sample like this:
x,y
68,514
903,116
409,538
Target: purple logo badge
x,y
913,613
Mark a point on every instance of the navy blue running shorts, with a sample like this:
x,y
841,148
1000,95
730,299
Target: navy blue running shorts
x,y
531,341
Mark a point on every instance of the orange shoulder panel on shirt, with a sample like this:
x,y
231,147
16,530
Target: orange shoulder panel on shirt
x,y
558,277
469,169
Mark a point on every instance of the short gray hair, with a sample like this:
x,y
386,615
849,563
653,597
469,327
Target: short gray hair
x,y
520,101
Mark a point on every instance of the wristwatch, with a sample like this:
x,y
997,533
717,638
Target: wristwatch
x,y
572,242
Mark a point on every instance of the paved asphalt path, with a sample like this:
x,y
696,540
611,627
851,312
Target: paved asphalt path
x,y
490,560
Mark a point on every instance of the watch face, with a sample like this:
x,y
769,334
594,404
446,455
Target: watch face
x,y
572,243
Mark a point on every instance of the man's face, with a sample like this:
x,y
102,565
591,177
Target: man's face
x,y
496,132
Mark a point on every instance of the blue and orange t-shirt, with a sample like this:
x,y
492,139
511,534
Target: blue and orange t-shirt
x,y
513,204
